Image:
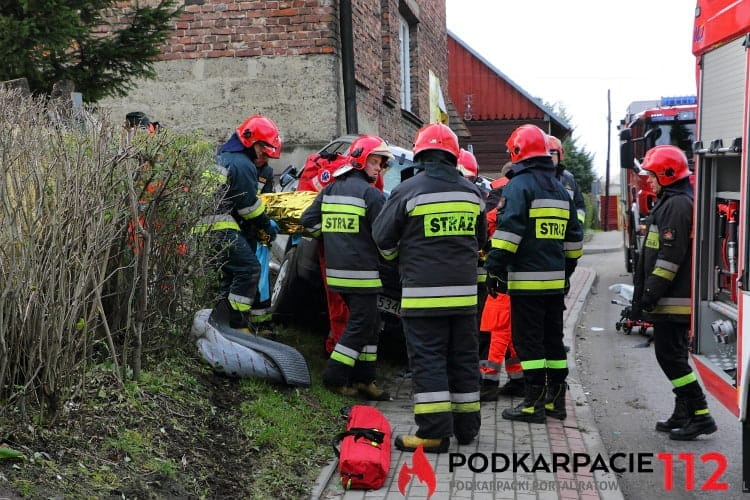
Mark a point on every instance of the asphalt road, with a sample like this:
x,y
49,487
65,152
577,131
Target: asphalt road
x,y
628,393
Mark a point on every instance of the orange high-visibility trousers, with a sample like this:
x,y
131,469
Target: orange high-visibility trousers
x,y
338,312
496,320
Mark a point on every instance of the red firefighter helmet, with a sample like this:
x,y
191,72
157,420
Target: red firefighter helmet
x,y
555,146
467,164
668,163
260,128
364,146
436,136
527,141
361,149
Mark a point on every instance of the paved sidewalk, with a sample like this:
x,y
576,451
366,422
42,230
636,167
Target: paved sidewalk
x,y
577,434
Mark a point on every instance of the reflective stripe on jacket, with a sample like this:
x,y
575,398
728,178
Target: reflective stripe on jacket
x,y
663,270
434,224
342,215
537,230
235,183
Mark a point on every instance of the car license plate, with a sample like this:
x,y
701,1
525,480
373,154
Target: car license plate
x,y
389,305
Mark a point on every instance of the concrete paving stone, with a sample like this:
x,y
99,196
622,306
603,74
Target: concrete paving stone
x,y
555,430
568,494
355,495
542,437
394,496
486,444
544,476
589,496
505,495
456,494
523,496
565,476
610,494
572,432
577,447
547,495
375,494
504,446
442,488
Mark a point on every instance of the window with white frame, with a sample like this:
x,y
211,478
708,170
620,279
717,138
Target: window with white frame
x,y
404,51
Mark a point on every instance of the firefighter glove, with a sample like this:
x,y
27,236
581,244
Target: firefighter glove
x,y
647,305
496,284
273,228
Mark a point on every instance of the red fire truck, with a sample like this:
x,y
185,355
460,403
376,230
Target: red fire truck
x,y
670,120
721,284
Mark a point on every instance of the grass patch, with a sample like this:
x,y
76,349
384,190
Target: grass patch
x,y
182,431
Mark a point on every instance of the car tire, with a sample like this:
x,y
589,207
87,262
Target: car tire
x,y
294,299
282,302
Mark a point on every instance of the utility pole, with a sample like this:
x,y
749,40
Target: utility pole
x,y
606,177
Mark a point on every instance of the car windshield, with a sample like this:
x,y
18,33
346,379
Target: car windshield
x,y
392,176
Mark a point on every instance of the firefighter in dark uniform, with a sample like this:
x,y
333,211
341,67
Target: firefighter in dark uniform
x,y
538,241
662,281
240,217
343,214
566,178
434,224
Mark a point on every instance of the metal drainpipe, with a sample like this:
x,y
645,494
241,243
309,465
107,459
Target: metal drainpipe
x,y
347,65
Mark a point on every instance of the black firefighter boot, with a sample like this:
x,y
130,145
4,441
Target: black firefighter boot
x,y
699,421
554,404
489,390
531,408
513,387
679,417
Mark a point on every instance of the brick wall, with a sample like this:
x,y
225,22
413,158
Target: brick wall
x,y
228,59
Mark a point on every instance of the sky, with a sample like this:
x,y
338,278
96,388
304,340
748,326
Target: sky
x,y
572,52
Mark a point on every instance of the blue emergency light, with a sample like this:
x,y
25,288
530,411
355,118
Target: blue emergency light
x,y
678,100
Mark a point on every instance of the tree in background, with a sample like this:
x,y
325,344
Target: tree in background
x,y
579,161
102,46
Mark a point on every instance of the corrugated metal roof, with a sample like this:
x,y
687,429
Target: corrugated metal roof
x,y
482,92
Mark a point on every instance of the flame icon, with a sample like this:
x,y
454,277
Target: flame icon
x,y
421,468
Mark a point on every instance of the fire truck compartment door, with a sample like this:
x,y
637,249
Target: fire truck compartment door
x,y
723,87
742,375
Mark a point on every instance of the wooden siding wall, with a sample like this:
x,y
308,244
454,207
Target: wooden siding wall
x,y
488,141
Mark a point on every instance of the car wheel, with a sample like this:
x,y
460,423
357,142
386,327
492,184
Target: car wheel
x,y
294,299
281,300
